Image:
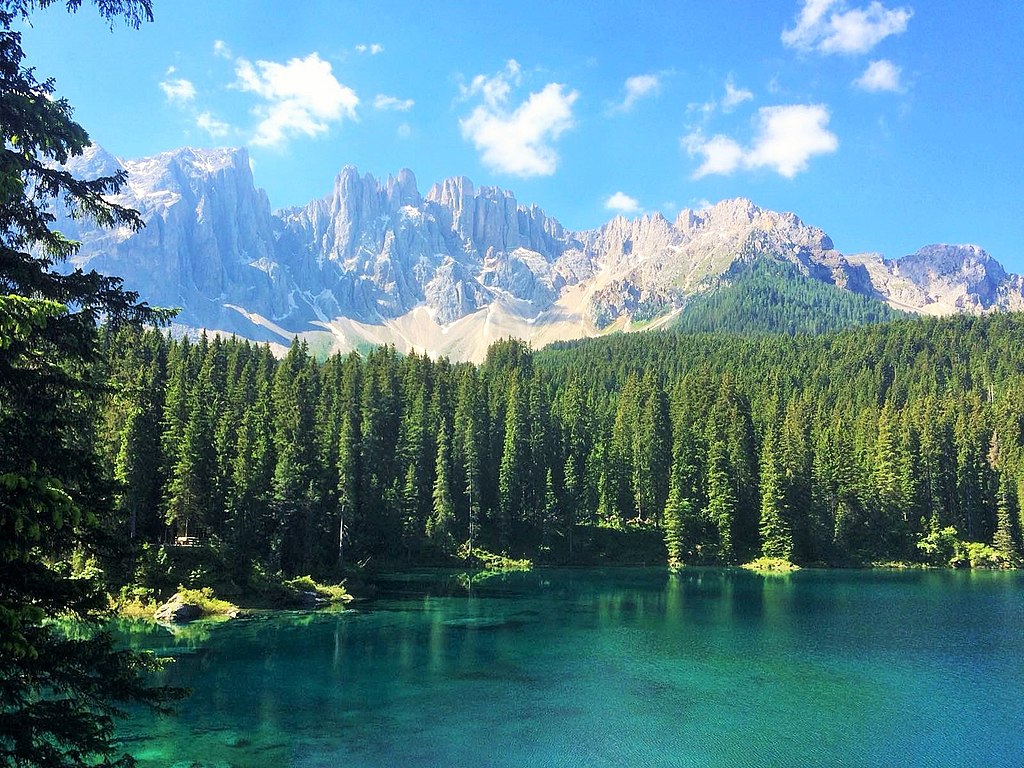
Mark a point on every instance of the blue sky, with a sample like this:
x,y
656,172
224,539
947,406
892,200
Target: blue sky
x,y
889,124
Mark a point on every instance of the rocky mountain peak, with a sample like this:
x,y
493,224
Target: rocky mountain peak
x,y
374,260
94,162
402,190
965,270
950,260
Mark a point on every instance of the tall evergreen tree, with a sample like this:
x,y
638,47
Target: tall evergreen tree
x,y
776,532
722,503
441,524
512,493
1007,538
59,692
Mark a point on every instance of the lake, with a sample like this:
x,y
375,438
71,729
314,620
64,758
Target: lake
x,y
616,667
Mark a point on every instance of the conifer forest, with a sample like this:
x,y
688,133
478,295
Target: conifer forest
x,y
896,442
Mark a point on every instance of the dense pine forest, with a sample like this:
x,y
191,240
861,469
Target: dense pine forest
x,y
767,296
888,442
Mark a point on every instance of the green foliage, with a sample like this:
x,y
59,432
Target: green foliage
x,y
766,296
331,593
776,536
208,603
976,554
482,560
59,691
844,449
942,547
771,565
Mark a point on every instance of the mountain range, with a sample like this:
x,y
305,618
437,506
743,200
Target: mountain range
x,y
454,269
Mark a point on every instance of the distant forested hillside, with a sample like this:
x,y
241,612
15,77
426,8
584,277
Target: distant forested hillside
x,y
898,441
767,296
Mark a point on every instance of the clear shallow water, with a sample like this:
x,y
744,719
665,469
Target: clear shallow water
x,y
618,667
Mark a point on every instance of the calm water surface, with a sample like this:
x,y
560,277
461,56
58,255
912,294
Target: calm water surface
x,y
615,667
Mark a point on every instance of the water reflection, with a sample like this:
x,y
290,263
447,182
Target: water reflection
x,y
607,667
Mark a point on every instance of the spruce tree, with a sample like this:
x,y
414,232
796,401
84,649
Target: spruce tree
x,y
1007,537
440,525
59,692
722,505
511,476
776,533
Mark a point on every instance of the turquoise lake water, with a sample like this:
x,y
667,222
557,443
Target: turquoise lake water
x,y
617,667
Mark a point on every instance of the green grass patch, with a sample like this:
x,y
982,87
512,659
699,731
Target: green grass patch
x,y
207,602
331,593
770,565
482,560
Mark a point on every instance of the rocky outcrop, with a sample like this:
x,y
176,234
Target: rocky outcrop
x,y
208,240
944,279
177,611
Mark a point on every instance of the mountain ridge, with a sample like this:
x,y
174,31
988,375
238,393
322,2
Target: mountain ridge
x,y
376,261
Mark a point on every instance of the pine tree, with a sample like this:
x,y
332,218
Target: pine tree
x,y
349,462
652,453
683,532
1007,538
59,692
776,533
619,497
296,497
469,441
549,511
192,492
137,464
441,523
511,476
797,462
721,509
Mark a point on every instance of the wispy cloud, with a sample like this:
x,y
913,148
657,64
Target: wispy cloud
x,y
622,203
517,139
734,96
787,137
216,128
638,87
880,76
371,48
178,90
829,26
221,49
392,103
301,97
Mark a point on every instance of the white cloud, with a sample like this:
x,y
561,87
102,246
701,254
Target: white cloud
x,y
722,155
179,91
220,48
517,140
787,138
734,96
638,87
404,131
216,128
393,103
300,98
828,26
372,48
622,203
881,75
